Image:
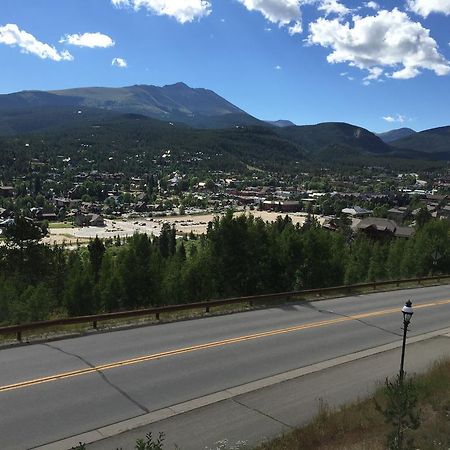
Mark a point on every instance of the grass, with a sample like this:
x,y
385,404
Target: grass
x,y
359,426
60,225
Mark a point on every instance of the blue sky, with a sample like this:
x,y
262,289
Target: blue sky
x,y
381,65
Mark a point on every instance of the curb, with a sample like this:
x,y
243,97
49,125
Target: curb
x,y
181,408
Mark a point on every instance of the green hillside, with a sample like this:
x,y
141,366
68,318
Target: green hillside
x,y
436,140
325,137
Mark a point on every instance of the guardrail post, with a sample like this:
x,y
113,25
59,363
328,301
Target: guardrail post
x,y
157,316
94,324
207,310
250,303
374,286
19,336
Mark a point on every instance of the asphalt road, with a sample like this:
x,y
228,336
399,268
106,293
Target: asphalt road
x,y
268,412
55,390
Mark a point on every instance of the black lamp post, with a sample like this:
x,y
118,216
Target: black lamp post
x,y
407,314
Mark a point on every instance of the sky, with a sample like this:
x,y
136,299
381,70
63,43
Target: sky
x,y
380,65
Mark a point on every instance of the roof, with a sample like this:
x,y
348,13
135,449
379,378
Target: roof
x,y
385,225
396,211
356,211
404,232
378,224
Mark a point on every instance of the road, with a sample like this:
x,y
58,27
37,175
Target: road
x,y
58,389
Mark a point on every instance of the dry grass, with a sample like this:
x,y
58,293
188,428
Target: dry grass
x,y
359,426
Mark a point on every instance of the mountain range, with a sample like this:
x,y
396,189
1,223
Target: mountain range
x,y
200,108
52,111
395,135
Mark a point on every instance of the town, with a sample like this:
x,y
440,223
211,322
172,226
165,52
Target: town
x,y
375,200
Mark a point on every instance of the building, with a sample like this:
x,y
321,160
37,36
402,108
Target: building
x,y
378,228
398,215
89,220
6,191
285,206
357,211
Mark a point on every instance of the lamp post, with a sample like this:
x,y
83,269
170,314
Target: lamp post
x,y
407,314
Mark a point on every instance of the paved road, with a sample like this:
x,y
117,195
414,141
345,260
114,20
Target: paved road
x,y
268,412
55,390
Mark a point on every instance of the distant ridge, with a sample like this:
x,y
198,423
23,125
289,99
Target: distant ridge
x,y
181,107
436,140
280,123
330,138
176,103
394,135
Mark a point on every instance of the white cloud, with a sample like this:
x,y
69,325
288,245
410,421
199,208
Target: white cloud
x,y
119,62
182,10
398,118
426,7
90,40
278,67
374,73
388,41
372,5
13,36
333,7
296,28
281,12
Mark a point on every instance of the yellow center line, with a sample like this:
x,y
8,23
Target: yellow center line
x,y
221,343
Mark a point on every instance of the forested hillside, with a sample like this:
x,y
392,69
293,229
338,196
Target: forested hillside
x,y
135,145
238,256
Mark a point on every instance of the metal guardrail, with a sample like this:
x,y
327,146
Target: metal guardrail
x,y
206,305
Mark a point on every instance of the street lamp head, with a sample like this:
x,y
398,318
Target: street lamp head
x,y
407,311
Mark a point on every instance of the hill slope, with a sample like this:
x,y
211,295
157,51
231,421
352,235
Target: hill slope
x,y
334,137
172,103
280,123
436,141
394,135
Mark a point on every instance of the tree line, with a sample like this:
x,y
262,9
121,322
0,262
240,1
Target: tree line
x,y
239,255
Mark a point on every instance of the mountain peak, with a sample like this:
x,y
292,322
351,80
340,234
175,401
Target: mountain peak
x,y
280,123
178,85
394,135
172,103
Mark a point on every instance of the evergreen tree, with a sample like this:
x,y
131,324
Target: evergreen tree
x,y
96,251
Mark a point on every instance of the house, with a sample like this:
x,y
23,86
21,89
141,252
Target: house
x,y
436,198
50,217
444,213
281,206
6,191
331,223
357,211
378,228
141,207
89,220
397,214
